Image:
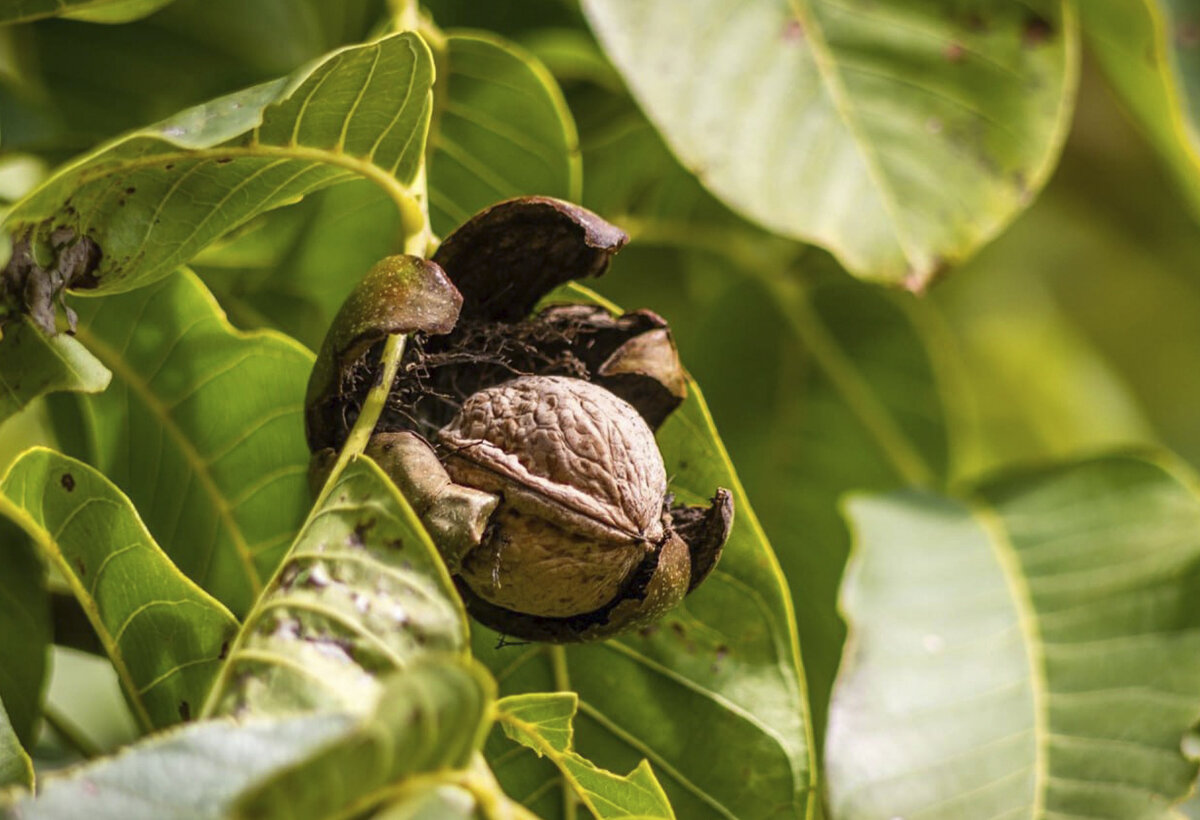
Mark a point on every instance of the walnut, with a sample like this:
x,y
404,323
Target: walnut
x,y
582,484
526,443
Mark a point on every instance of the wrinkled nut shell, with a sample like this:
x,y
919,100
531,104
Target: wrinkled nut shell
x,y
563,448
530,565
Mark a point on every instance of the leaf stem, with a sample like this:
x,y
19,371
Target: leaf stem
x,y
562,682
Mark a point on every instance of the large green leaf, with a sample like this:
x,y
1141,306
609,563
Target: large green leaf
x,y
720,672
543,722
502,130
153,198
196,771
24,631
361,592
1147,49
899,136
16,769
202,428
164,635
430,717
32,365
99,11
1034,652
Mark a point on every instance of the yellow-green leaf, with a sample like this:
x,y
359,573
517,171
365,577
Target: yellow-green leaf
x,y
164,635
543,722
1033,652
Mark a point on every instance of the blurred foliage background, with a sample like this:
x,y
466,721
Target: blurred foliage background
x,y
1077,329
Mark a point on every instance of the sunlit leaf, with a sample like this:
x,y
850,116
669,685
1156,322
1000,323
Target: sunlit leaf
x,y
1034,652
24,631
16,769
543,722
202,428
196,771
32,364
98,11
1148,51
502,130
361,592
153,198
900,136
429,717
721,671
164,635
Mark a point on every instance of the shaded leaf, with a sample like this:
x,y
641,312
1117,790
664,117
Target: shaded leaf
x,y
16,769
196,771
24,631
1034,652
153,198
502,130
291,269
1147,50
32,365
721,671
361,592
163,634
80,84
543,722
900,137
202,428
97,11
429,717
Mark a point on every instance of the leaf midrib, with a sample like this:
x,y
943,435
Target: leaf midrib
x,y
1005,554
831,80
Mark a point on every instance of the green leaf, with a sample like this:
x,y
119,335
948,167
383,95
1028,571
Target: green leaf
x,y
543,722
293,268
16,769
32,365
1034,652
430,717
164,635
24,631
901,136
154,198
196,771
720,672
98,11
202,428
1145,48
502,130
361,592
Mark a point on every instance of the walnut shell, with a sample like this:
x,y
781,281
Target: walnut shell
x,y
582,482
